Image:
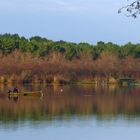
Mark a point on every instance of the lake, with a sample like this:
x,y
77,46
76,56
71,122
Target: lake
x,y
83,112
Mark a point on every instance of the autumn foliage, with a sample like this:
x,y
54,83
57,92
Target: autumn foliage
x,y
39,60
27,68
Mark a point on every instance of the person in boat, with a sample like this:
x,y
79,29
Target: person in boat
x,y
9,91
15,90
14,98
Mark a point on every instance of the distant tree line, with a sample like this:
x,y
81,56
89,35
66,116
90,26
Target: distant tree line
x,y
39,60
42,47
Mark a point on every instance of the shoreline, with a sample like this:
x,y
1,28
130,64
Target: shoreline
x,y
59,81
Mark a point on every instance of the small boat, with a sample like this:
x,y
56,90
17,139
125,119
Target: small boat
x,y
36,94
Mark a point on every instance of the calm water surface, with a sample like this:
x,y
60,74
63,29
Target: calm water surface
x,y
71,112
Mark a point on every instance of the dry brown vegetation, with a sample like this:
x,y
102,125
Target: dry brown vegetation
x,y
26,68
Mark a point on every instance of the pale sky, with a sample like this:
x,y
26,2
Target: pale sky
x,y
70,20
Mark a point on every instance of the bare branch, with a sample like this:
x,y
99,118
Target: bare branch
x,y
131,10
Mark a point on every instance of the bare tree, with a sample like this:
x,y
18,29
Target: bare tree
x,y
132,9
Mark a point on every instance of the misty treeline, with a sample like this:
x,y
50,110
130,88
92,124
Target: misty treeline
x,y
41,60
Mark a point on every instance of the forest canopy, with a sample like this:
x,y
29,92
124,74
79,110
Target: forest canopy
x,y
43,47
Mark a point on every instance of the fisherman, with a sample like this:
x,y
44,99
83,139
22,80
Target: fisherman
x,y
15,90
15,97
9,91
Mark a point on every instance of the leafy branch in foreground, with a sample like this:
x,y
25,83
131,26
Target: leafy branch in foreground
x,y
131,10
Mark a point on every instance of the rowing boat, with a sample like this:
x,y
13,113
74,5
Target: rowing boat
x,y
37,93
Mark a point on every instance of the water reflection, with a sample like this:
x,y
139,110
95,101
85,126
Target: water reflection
x,y
75,102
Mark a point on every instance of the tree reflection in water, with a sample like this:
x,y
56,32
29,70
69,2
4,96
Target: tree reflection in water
x,y
80,101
